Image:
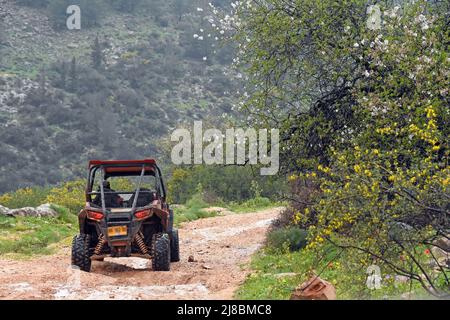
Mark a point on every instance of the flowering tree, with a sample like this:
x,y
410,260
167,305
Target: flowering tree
x,y
365,115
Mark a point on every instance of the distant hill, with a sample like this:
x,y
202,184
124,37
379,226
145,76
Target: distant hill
x,y
113,89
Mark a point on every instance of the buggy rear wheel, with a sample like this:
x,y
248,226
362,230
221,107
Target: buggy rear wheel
x,y
161,252
174,247
80,252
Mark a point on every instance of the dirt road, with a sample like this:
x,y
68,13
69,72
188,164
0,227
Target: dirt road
x,y
221,247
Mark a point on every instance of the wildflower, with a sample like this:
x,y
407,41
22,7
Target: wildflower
x,y
430,112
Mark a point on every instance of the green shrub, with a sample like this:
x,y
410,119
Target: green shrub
x,y
196,202
26,197
193,210
69,195
253,204
65,215
293,237
33,235
229,183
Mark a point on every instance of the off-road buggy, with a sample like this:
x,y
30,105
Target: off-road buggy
x,y
134,222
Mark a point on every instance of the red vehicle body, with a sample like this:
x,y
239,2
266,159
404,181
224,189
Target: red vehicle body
x,y
136,222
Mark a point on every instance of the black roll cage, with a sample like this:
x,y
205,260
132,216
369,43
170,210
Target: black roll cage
x,y
160,187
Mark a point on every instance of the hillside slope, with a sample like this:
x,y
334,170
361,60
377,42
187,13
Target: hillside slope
x,y
110,91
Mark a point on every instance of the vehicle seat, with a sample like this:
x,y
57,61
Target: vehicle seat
x,y
144,198
111,200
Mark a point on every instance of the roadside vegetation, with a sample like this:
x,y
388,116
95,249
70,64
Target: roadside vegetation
x,y
363,112
26,236
278,272
286,261
237,189
32,235
193,209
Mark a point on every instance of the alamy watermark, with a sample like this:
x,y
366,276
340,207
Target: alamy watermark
x,y
373,281
249,146
73,21
374,19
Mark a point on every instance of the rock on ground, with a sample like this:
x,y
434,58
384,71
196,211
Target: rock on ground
x,y
44,210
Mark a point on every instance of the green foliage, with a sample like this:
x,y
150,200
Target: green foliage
x,y
97,54
373,140
27,197
252,204
70,194
276,275
225,183
193,210
292,237
256,201
65,215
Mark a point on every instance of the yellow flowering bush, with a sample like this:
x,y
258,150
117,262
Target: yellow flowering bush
x,y
386,196
70,195
25,197
364,117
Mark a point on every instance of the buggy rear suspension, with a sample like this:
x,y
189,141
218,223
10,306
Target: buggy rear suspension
x,y
101,243
139,239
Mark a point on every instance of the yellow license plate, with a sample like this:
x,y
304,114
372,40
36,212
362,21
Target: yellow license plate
x,y
117,231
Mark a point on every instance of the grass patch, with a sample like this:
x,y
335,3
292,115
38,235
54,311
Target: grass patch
x,y
349,280
292,237
254,204
192,210
32,235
